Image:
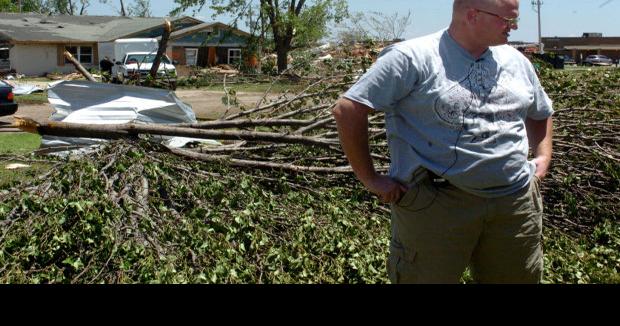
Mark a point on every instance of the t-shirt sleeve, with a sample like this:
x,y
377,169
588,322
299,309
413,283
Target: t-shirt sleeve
x,y
389,80
542,108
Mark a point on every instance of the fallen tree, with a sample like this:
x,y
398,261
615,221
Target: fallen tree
x,y
132,212
78,66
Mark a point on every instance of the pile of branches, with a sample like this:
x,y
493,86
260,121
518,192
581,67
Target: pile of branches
x,y
276,203
303,119
582,188
294,132
297,133
133,213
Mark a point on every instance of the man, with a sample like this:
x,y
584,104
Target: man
x,y
461,109
106,66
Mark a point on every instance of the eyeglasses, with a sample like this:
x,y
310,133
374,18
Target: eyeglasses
x,y
509,21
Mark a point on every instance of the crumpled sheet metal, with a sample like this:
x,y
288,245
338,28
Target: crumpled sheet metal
x,y
23,89
98,103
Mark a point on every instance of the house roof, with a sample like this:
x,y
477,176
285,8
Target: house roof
x,y
203,26
37,28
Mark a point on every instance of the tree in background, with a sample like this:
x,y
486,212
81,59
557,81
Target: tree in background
x,y
291,23
139,8
353,30
38,6
68,7
374,25
388,27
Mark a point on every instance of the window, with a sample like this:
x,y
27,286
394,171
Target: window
x,y
4,53
191,57
145,58
86,54
83,54
234,56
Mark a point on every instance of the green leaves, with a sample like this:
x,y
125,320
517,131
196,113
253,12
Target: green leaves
x,y
198,223
582,260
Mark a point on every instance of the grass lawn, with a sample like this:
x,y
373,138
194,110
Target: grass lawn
x,y
30,80
12,145
35,98
18,143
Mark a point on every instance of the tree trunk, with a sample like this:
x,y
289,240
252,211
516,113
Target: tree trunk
x,y
282,52
79,67
123,12
132,130
162,48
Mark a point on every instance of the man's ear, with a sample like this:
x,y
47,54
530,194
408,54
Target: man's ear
x,y
471,15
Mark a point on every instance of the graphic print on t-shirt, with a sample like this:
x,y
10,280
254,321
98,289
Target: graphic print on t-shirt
x,y
479,106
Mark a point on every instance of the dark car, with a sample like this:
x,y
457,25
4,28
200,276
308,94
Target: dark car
x,y
568,60
7,102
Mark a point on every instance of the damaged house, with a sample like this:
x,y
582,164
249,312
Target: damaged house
x,y
34,44
207,45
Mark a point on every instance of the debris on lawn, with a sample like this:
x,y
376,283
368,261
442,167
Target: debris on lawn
x,y
276,203
16,166
88,105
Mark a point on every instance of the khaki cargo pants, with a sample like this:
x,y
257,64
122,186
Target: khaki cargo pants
x,y
438,230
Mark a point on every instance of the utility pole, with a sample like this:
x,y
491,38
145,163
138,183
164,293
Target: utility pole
x,y
536,6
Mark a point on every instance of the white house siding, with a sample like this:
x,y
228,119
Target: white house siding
x,y
37,60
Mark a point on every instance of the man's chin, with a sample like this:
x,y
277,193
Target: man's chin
x,y
502,40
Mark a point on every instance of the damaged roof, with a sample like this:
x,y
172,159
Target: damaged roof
x,y
37,28
203,26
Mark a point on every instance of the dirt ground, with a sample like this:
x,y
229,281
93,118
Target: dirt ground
x,y
206,105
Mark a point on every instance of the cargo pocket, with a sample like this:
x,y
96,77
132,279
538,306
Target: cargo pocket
x,y
392,266
400,264
536,195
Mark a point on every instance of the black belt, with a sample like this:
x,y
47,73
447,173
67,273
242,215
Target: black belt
x,y
422,174
437,180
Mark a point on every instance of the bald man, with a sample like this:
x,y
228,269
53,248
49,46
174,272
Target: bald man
x,y
462,111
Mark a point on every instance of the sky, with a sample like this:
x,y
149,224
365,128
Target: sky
x,y
559,17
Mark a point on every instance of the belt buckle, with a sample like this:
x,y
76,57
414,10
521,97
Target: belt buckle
x,y
437,180
440,181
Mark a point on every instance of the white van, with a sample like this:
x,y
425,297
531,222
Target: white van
x,y
135,56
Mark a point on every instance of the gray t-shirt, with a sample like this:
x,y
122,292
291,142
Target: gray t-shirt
x,y
461,118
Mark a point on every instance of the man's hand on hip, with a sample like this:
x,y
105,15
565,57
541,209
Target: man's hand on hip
x,y
387,189
542,166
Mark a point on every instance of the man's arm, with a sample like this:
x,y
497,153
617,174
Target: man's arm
x,y
352,121
540,135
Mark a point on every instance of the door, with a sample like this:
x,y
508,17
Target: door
x,y
212,57
191,56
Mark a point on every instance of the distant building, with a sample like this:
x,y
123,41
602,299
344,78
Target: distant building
x,y
33,44
581,47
